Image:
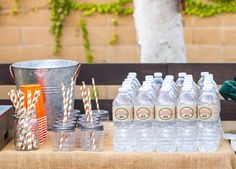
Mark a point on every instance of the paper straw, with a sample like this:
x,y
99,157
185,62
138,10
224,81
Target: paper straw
x,y
93,140
84,93
89,106
35,99
64,103
71,96
29,99
14,100
95,94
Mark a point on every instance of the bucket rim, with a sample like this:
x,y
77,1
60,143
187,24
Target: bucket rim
x,y
19,66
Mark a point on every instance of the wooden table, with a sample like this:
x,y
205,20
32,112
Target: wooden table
x,y
46,158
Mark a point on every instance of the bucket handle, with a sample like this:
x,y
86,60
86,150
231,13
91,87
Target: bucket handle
x,y
77,72
12,73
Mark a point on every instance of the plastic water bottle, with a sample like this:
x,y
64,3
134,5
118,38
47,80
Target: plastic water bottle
x,y
202,78
189,78
187,127
165,118
174,88
143,119
209,120
122,119
151,91
133,75
172,91
180,79
158,78
150,78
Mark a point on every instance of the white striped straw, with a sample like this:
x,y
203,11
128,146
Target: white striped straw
x,y
35,99
85,101
71,96
95,94
89,106
64,103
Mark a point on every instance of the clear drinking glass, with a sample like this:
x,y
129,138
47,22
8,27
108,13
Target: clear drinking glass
x,y
92,137
104,120
26,132
64,137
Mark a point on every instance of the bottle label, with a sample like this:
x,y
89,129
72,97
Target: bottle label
x,y
122,113
143,113
187,112
164,113
208,112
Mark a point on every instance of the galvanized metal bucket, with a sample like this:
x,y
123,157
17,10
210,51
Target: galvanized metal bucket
x,y
49,74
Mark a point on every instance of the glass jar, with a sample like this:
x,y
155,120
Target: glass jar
x,y
80,122
104,120
64,137
92,137
26,132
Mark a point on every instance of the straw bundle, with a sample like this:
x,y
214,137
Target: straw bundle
x,y
25,137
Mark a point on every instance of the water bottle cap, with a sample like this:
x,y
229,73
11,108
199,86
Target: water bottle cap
x,y
148,77
122,89
133,74
145,83
188,76
143,89
211,77
169,77
158,74
182,74
166,88
204,73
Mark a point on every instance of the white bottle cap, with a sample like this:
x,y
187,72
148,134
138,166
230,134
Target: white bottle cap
x,y
166,88
182,74
231,135
204,73
147,83
233,145
157,74
143,89
211,77
169,77
189,76
148,77
122,89
134,74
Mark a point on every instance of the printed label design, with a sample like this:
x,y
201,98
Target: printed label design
x,y
122,113
208,112
186,113
143,113
165,113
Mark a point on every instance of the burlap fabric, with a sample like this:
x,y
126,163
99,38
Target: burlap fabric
x,y
46,158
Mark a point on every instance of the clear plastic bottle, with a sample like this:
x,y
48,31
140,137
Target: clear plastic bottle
x,y
133,75
150,78
203,75
122,118
180,79
152,89
174,89
173,84
143,119
165,136
187,127
195,87
209,121
158,78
